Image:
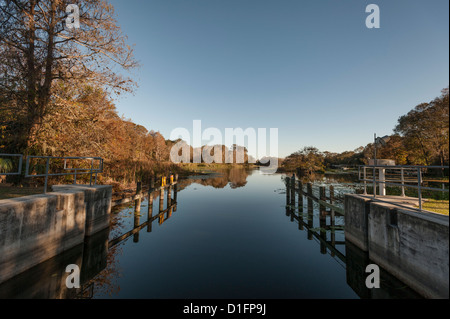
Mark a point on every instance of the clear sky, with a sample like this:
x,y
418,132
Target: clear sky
x,y
310,68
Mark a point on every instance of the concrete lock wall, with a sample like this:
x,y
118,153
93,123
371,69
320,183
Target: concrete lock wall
x,y
48,279
97,201
410,245
36,228
356,220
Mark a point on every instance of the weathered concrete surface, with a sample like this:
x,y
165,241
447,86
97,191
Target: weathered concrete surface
x,y
36,228
410,245
390,287
48,279
98,205
356,220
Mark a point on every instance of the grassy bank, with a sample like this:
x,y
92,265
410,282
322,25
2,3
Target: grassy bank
x,y
8,191
437,206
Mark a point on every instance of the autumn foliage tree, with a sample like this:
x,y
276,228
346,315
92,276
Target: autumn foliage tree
x,y
84,122
38,50
425,130
308,160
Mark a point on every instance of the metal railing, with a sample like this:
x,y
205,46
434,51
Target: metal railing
x,y
19,169
91,170
404,176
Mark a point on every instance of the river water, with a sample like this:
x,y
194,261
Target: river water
x,y
229,236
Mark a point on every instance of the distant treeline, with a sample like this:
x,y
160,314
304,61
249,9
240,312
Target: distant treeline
x,y
420,137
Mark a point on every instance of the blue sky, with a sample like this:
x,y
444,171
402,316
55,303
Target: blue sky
x,y
311,68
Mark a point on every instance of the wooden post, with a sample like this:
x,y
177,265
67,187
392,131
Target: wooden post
x,y
322,197
150,205
291,212
300,195
309,189
332,198
323,208
288,191
175,189
293,191
152,183
332,220
137,202
137,216
169,212
323,220
310,212
161,200
169,196
161,206
300,205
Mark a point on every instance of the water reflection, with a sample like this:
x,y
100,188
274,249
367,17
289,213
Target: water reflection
x,y
331,239
235,177
48,279
226,245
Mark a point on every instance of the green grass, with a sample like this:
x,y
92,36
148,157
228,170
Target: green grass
x,y
426,194
7,191
437,206
434,201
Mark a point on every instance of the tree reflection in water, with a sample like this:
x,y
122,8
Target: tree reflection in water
x,y
236,177
105,283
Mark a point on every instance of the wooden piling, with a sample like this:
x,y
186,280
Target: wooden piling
x,y
310,211
300,205
300,194
151,190
293,190
161,200
169,196
288,191
309,189
137,202
332,198
323,220
288,196
175,189
332,220
137,217
322,197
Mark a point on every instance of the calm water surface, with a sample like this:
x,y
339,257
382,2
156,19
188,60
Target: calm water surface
x,y
231,236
